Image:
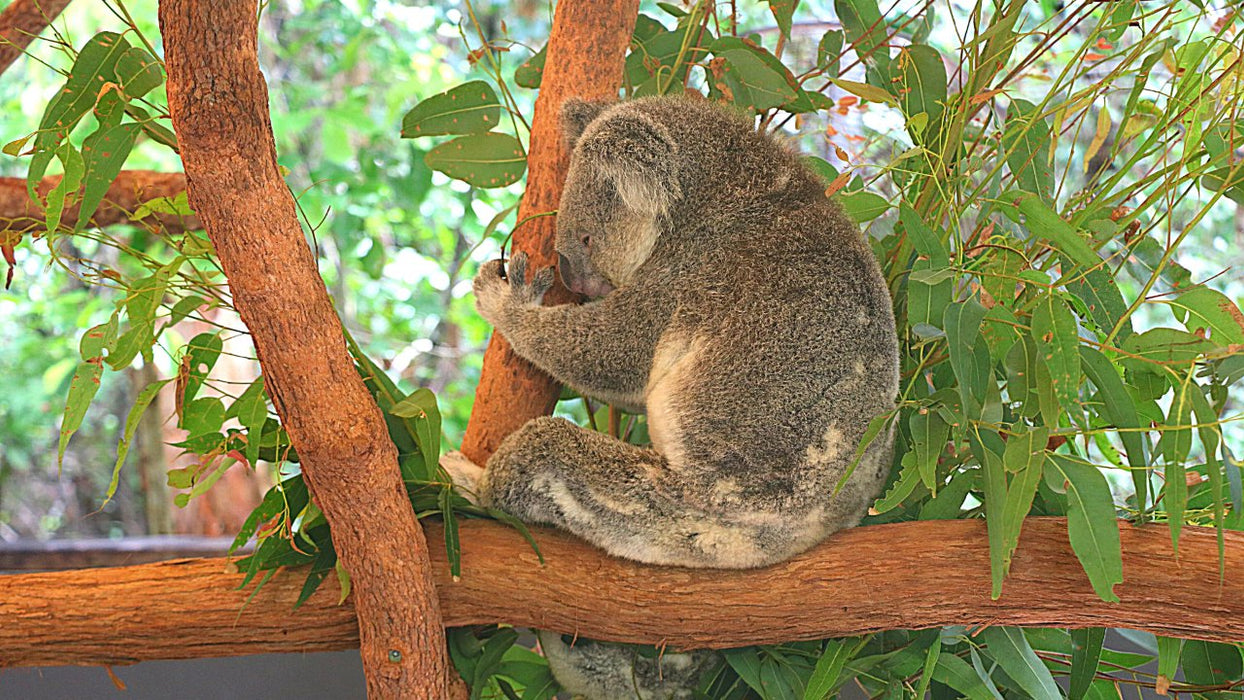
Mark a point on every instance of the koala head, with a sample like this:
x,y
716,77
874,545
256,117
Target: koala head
x,y
670,170
619,190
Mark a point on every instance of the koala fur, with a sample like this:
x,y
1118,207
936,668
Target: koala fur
x,y
737,306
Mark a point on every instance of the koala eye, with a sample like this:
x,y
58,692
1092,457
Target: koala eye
x,y
585,239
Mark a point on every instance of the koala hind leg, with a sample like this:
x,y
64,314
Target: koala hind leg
x,y
622,498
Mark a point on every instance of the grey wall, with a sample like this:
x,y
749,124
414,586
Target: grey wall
x,y
322,676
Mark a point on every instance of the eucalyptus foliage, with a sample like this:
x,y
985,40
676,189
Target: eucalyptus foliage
x,y
1026,174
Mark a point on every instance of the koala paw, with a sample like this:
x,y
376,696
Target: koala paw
x,y
497,297
464,474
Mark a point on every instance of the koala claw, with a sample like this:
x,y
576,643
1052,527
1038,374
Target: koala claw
x,y
464,474
497,296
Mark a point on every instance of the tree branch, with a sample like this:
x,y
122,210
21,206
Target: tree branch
x,y
131,188
904,576
21,22
586,53
219,105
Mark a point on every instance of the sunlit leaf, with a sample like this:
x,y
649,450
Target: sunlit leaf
x,y
470,108
484,160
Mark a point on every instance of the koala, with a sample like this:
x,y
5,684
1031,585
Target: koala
x,y
739,308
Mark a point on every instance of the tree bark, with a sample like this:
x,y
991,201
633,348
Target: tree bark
x,y
131,188
903,576
586,53
21,22
219,104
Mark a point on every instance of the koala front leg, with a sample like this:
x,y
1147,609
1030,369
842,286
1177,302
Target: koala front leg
x,y
603,348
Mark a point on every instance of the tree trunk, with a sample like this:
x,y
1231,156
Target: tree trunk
x,y
903,576
21,22
149,454
219,104
586,53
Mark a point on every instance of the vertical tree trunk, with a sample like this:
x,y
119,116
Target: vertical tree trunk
x,y
149,454
219,104
586,53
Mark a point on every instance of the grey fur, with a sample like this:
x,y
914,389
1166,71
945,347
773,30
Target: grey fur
x,y
739,307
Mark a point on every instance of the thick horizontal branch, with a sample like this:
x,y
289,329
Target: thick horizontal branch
x,y
124,196
904,576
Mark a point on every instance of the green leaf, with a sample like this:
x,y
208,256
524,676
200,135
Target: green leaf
x,y
103,153
251,410
1105,302
829,53
62,194
828,670
1091,524
203,416
927,300
919,81
1055,332
959,675
1202,307
95,66
1211,663
1045,224
1169,651
82,389
1026,141
421,406
141,402
865,91
1024,457
99,338
864,25
531,72
928,435
969,358
863,206
1120,409
483,160
782,11
1009,647
926,242
138,73
930,663
754,83
470,108
1085,654
453,548
200,357
1174,445
902,488
746,663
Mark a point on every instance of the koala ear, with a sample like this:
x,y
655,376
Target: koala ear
x,y
576,114
638,155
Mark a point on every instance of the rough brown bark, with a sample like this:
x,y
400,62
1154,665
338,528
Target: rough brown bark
x,y
219,104
21,22
904,576
127,192
586,53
